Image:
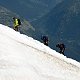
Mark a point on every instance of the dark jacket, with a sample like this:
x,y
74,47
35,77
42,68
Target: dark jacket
x,y
45,40
61,47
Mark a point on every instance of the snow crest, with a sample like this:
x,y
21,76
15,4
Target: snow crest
x,y
23,58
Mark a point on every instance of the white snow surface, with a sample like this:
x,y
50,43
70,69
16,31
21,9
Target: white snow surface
x,y
23,58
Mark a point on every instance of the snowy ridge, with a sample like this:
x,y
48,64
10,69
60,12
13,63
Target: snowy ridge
x,y
33,43
23,58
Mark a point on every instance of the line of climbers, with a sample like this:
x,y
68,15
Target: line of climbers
x,y
61,46
45,40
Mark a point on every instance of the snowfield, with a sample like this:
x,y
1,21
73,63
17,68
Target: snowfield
x,y
23,58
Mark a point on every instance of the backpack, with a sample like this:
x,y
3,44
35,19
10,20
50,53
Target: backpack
x,y
45,38
19,22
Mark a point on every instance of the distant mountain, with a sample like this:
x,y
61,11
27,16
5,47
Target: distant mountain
x,y
30,9
62,24
6,19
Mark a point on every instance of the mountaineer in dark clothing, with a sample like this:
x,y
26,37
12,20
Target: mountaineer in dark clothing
x,y
45,40
61,47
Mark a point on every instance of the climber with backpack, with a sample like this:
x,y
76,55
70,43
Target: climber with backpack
x,y
61,46
17,23
45,40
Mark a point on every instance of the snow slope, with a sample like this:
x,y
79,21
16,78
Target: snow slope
x,y
23,58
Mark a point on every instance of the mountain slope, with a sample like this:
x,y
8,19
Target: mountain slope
x,y
62,25
23,58
6,18
30,9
